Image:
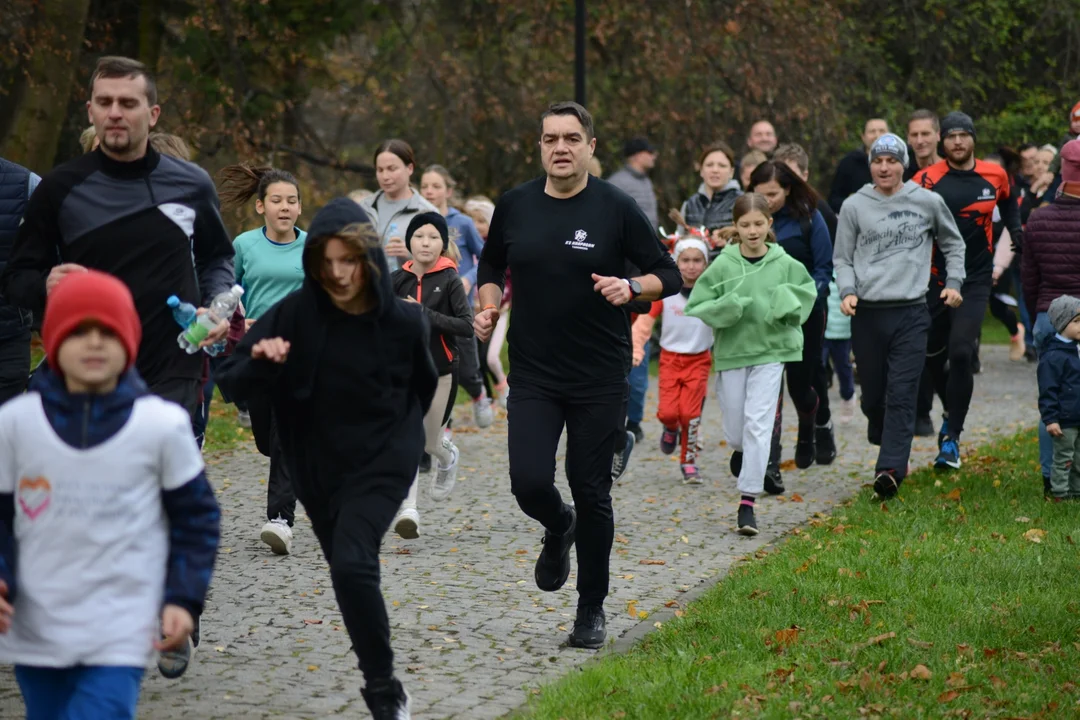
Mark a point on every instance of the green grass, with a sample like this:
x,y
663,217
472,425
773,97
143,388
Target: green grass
x,y
222,430
836,622
993,332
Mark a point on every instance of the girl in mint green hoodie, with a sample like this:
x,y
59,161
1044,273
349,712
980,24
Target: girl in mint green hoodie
x,y
755,297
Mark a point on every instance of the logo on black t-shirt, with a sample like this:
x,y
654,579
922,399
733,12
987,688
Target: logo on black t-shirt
x,y
578,243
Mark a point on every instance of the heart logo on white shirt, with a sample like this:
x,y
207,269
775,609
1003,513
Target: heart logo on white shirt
x,y
34,496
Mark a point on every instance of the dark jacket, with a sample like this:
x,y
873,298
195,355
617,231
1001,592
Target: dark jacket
x,y
1059,383
442,296
86,421
851,174
1050,263
14,193
712,212
807,240
153,223
377,444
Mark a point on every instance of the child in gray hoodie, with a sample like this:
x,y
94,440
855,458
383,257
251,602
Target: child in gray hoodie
x,y
882,256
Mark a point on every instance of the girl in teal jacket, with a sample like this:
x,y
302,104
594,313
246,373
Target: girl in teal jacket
x,y
755,297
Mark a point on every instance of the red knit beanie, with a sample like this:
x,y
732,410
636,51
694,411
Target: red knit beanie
x,y
84,296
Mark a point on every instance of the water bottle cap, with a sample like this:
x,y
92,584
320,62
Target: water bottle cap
x,y
237,290
173,301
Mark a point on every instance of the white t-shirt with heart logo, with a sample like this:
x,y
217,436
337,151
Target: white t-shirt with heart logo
x,y
91,533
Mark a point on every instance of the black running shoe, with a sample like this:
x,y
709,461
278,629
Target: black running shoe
x,y
622,459
387,700
590,628
553,565
736,463
774,481
635,428
886,485
924,426
746,524
804,445
826,444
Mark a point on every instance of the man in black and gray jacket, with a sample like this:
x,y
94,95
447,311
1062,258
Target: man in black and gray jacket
x,y
125,209
16,185
884,241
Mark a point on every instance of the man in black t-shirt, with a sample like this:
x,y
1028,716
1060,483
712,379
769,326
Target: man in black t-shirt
x,y
567,238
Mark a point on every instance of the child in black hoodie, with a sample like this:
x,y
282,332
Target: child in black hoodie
x,y
431,281
350,376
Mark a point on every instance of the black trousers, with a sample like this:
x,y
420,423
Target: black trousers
x,y
951,348
807,385
350,529
536,417
280,495
890,344
14,365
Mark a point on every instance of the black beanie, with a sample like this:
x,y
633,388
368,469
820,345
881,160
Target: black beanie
x,y
957,122
336,215
428,218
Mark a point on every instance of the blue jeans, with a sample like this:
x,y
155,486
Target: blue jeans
x,y
840,351
79,693
1044,331
639,384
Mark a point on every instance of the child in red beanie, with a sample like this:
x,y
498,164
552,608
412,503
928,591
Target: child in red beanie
x,y
108,525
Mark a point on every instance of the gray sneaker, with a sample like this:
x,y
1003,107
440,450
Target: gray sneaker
x,y
482,412
243,419
174,663
445,477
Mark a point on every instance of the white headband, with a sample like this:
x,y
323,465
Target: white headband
x,y
691,243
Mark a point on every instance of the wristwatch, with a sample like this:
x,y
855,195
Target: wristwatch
x,y
634,285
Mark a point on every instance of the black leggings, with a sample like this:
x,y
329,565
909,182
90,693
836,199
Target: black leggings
x,y
350,530
280,495
1006,314
953,340
536,417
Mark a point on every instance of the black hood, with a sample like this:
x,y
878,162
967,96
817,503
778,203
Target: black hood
x,y
334,217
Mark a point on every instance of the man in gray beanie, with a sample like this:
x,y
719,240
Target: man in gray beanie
x,y
1059,396
884,240
972,189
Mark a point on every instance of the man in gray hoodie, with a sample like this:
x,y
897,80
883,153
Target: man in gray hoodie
x,y
884,242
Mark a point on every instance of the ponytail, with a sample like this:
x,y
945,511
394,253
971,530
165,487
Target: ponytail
x,y
241,182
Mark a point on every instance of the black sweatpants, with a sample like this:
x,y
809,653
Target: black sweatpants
x,y
953,340
468,372
890,344
280,494
535,418
807,385
350,529
14,365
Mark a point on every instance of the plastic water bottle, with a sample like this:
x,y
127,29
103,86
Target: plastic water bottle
x,y
183,313
221,309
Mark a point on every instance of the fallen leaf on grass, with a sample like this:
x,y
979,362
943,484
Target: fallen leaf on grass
x,y
716,688
921,672
787,637
874,641
651,561
948,696
956,680
1023,519
953,494
998,683
1035,535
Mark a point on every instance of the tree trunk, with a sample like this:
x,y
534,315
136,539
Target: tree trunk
x,y
35,133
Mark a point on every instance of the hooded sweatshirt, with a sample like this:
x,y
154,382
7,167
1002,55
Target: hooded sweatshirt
x,y
884,245
442,295
351,396
755,308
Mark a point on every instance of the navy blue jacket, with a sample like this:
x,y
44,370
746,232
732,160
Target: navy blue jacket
x,y
816,255
1059,383
15,185
85,421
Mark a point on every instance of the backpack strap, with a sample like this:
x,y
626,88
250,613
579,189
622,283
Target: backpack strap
x,y
807,227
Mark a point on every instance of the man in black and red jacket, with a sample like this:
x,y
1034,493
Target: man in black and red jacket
x,y
972,189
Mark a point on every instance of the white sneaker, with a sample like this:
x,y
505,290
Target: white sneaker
x,y
847,411
445,477
278,535
243,418
482,412
407,524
